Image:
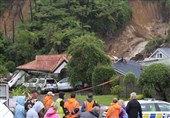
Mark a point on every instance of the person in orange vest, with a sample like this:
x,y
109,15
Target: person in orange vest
x,y
114,110
89,103
48,100
71,106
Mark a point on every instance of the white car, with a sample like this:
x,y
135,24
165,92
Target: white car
x,y
64,84
4,111
152,108
42,84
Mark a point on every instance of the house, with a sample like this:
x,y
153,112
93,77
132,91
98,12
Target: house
x,y
161,53
123,67
157,55
46,63
162,61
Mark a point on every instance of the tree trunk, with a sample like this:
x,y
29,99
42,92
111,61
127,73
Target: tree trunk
x,y
31,10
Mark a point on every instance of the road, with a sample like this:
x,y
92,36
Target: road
x,y
103,108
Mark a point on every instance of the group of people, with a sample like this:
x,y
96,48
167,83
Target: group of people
x,y
48,108
70,108
118,109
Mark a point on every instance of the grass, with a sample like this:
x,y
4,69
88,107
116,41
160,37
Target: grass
x,y
101,99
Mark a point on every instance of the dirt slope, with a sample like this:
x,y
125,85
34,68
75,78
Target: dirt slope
x,y
13,14
146,24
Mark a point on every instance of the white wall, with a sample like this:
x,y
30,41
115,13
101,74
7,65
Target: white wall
x,y
58,70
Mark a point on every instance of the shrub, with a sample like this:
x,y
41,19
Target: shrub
x,y
116,90
102,74
140,97
19,91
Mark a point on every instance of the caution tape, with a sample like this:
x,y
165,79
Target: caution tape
x,y
104,83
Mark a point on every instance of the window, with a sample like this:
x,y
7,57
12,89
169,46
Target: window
x,y
50,81
164,106
33,80
159,55
148,107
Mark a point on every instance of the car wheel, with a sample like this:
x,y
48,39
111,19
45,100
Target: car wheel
x,y
78,87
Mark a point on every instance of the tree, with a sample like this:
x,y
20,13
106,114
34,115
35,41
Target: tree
x,y
3,71
86,53
100,75
156,76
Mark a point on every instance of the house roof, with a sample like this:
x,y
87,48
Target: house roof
x,y
165,51
124,67
47,63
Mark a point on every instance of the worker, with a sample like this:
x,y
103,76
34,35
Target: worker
x,y
48,100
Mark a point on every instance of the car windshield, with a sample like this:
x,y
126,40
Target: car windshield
x,y
33,80
164,106
64,80
148,107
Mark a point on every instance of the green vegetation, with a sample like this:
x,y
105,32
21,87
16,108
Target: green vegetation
x,y
87,52
101,99
53,24
19,91
100,75
156,77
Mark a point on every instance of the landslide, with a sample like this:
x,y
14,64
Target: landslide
x,y
147,23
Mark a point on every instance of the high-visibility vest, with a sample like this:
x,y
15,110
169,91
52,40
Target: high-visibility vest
x,y
89,105
71,107
60,110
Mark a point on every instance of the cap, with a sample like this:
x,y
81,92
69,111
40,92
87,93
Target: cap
x,y
50,93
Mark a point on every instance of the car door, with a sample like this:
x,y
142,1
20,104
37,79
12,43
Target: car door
x,y
64,84
164,109
149,110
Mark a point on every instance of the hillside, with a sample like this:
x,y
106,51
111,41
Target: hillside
x,y
47,27
147,23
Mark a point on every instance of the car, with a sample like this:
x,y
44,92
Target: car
x,y
5,112
42,85
152,108
64,84
155,108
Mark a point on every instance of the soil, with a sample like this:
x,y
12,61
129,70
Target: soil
x,y
146,24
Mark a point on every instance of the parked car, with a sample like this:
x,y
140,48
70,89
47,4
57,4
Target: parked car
x,y
4,111
42,84
152,108
64,84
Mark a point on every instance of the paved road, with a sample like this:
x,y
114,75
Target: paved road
x,y
103,108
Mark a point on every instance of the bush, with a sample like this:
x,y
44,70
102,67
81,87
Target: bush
x,y
3,71
115,90
20,91
140,97
102,74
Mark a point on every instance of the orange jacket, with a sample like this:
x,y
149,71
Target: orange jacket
x,y
113,111
71,104
48,100
89,105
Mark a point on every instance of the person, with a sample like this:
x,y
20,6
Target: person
x,y
19,109
89,103
31,101
94,113
71,106
133,107
123,113
60,104
114,110
48,100
36,110
51,113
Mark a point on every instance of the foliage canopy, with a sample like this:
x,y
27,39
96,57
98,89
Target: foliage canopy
x,y
156,76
